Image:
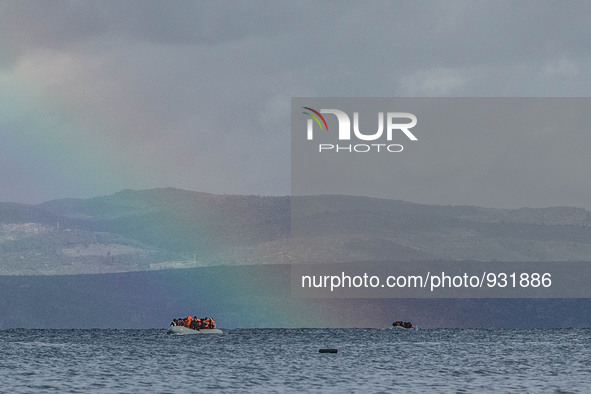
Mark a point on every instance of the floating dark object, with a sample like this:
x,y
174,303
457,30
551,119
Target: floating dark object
x,y
328,351
404,324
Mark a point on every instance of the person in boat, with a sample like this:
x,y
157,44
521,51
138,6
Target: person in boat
x,y
404,324
195,323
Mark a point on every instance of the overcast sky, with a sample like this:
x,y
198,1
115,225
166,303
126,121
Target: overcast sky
x,y
100,96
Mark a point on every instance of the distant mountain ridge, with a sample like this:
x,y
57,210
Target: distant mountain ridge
x,y
173,228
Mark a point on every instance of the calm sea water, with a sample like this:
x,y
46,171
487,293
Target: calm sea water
x,y
279,360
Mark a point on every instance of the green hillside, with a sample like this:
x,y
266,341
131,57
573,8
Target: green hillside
x,y
172,228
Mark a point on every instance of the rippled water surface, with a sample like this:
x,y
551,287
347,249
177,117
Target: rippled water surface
x,y
259,360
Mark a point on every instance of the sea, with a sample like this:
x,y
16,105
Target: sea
x,y
288,360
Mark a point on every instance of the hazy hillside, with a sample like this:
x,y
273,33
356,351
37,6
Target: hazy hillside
x,y
172,228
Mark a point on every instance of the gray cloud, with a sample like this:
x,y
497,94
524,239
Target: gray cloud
x,y
196,94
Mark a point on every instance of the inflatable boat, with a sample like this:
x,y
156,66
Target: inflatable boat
x,y
404,325
180,330
413,328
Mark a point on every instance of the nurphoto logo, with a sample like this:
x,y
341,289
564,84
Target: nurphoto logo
x,y
394,127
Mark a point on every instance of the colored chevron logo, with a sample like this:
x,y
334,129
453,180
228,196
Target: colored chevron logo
x,y
315,115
